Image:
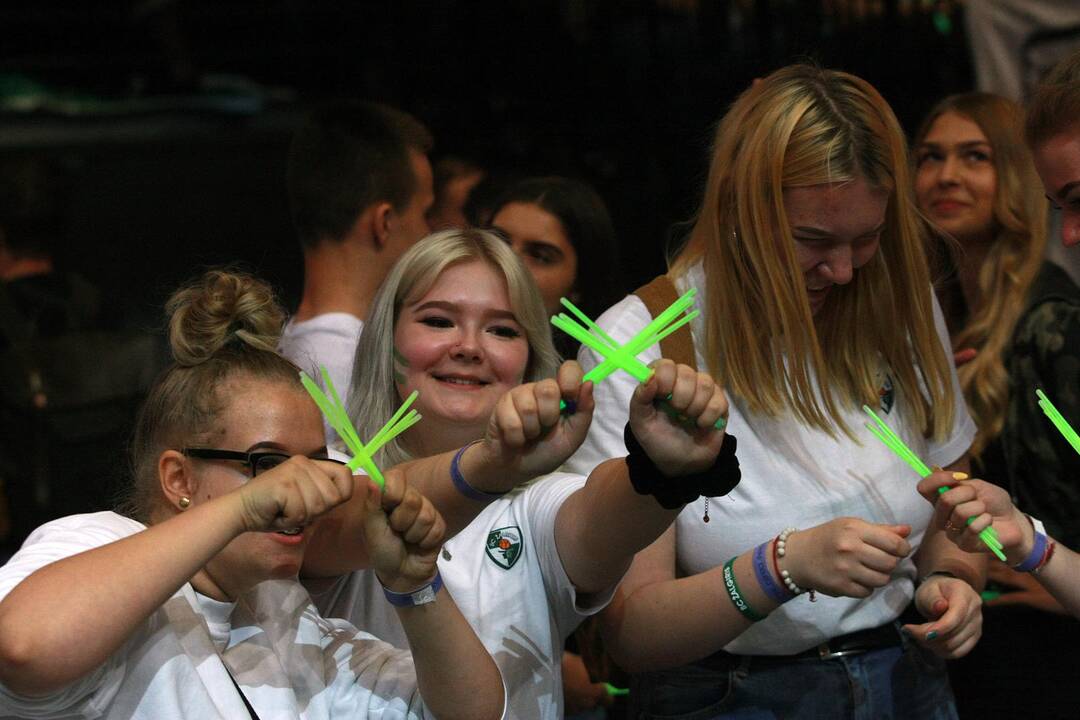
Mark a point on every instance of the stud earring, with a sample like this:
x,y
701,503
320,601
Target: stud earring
x,y
184,503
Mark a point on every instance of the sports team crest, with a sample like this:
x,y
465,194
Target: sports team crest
x,y
504,546
885,392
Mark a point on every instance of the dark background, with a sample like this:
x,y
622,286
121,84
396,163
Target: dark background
x,y
176,116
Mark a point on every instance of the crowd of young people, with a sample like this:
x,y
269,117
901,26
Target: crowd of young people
x,y
800,570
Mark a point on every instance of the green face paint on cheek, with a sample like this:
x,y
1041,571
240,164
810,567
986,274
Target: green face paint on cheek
x,y
399,362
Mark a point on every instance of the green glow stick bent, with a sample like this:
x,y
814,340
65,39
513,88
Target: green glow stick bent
x,y
886,434
334,411
624,357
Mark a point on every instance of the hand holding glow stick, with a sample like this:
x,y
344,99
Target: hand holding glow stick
x,y
885,434
624,357
334,411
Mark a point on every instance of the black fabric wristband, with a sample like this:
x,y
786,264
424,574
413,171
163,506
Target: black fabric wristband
x,y
671,493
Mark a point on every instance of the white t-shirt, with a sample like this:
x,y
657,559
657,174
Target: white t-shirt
x,y
505,574
289,661
327,340
792,475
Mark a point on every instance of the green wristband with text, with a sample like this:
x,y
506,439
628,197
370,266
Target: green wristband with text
x,y
736,597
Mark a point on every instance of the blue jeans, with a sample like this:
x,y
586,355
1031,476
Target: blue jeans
x,y
893,683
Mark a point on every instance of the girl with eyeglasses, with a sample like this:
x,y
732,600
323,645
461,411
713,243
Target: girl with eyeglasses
x,y
149,614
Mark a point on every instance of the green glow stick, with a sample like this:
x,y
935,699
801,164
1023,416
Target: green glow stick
x,y
624,357
1059,420
644,337
334,411
886,434
394,419
593,327
614,691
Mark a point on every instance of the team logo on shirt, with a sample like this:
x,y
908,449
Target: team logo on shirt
x,y
504,546
885,392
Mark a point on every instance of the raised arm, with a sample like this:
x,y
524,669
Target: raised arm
x,y
991,505
671,459
404,546
69,616
528,436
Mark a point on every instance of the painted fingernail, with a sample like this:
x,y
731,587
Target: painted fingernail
x,y
932,635
959,476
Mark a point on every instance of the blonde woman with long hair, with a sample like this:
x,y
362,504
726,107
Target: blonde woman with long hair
x,y
1020,316
807,255
461,320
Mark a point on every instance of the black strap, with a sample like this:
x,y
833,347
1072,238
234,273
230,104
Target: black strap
x,y
251,711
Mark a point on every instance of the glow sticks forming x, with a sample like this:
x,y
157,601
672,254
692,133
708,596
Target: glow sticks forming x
x,y
1059,421
885,434
624,357
334,411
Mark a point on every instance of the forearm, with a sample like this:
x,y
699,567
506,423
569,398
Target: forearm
x,y
596,554
1061,577
479,470
456,675
68,617
938,554
673,622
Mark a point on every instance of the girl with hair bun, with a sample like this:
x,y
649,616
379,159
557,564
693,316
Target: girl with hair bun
x,y
815,299
148,614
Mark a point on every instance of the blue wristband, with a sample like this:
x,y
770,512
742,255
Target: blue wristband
x,y
1035,557
420,596
459,480
761,569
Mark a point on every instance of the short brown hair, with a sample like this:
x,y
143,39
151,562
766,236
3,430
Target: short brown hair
x,y
1055,105
346,157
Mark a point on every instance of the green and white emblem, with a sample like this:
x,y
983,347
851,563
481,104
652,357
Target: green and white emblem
x,y
504,546
887,394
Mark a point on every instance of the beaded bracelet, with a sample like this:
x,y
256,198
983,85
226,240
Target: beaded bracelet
x,y
781,550
765,578
736,597
464,487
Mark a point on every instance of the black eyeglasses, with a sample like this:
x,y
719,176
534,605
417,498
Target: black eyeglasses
x,y
257,462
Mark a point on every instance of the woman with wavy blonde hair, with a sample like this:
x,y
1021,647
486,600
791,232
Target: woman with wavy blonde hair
x,y
975,181
815,298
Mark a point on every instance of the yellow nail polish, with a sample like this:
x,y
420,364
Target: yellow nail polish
x,y
959,476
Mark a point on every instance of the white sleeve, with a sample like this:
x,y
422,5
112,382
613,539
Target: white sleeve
x,y
51,542
958,441
612,394
541,504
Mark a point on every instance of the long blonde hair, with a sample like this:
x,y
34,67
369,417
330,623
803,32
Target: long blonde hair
x,y
1013,261
798,127
374,395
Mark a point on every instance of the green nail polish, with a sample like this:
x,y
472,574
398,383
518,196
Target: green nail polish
x,y
932,635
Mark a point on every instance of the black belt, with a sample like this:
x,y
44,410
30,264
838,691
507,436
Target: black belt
x,y
860,641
